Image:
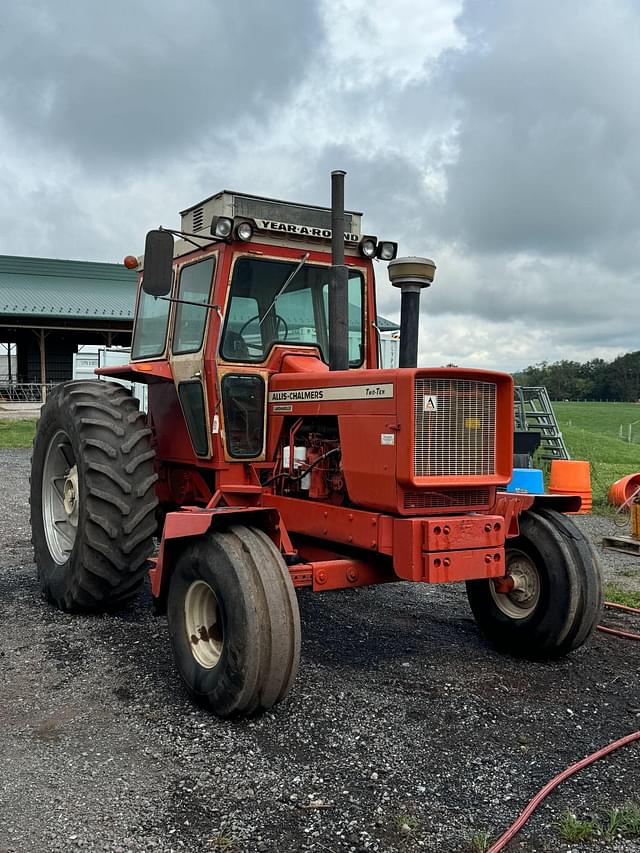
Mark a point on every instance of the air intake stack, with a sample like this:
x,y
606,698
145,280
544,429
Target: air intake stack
x,y
411,275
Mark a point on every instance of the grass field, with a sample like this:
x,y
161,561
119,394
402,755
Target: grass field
x,y
18,433
609,419
591,431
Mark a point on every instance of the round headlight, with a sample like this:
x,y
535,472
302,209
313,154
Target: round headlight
x,y
222,227
244,231
368,247
387,251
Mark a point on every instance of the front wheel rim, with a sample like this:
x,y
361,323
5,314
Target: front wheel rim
x,y
203,623
60,497
521,601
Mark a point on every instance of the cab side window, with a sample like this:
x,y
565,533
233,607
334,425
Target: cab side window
x,y
194,287
150,334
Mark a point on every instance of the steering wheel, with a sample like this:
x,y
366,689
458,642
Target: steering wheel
x,y
279,320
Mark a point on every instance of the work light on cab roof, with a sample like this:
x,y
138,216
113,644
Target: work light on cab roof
x,y
368,247
244,231
222,227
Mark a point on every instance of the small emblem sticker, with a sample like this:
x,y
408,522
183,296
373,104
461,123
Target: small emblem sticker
x,y
430,403
387,438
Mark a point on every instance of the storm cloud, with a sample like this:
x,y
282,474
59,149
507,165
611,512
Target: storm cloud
x,y
120,84
499,138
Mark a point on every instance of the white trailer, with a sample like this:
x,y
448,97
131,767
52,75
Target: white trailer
x,y
88,358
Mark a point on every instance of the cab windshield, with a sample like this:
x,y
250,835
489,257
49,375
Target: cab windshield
x,y
260,313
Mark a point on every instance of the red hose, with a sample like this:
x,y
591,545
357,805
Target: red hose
x,y
533,804
616,632
517,825
622,607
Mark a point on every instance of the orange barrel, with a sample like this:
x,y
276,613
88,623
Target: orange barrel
x,y
623,489
572,477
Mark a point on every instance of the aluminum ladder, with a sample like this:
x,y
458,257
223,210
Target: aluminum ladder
x,y
533,411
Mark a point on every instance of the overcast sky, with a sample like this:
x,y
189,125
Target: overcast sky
x,y
502,139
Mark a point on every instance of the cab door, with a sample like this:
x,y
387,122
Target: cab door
x,y
191,318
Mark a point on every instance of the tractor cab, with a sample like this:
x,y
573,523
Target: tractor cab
x,y
269,279
246,288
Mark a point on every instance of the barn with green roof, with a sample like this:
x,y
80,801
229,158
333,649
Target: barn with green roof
x,y
48,308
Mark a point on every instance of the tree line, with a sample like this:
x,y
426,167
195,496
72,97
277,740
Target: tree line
x,y
617,380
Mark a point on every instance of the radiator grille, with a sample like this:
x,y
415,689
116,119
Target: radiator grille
x,y
446,498
455,428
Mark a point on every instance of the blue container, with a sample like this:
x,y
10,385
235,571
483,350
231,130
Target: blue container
x,y
528,480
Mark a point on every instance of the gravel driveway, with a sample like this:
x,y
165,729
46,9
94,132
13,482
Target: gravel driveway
x,y
404,731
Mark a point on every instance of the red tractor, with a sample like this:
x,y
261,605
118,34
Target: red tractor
x,y
276,453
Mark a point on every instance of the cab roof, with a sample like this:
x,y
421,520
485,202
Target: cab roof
x,y
235,204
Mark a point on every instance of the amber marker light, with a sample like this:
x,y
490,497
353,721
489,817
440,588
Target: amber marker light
x,y
131,262
144,367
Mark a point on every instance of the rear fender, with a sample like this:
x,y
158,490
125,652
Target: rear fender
x,y
191,523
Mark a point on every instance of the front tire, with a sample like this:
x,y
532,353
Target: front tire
x,y
92,496
234,622
557,597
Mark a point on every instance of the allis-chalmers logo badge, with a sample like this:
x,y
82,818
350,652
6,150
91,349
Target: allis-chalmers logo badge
x,y
430,403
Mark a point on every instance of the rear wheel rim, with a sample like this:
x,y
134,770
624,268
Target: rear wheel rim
x,y
523,598
203,623
60,497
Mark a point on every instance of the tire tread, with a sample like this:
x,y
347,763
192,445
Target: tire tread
x,y
115,537
574,574
258,669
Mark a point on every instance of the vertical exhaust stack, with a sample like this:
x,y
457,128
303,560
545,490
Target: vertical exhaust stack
x,y
338,280
411,275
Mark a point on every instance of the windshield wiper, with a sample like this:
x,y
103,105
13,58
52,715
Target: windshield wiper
x,y
286,284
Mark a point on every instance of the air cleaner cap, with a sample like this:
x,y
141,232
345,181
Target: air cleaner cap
x,y
416,272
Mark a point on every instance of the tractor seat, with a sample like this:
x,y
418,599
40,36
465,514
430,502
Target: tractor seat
x,y
235,346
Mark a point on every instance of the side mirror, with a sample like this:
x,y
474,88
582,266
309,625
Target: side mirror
x,y
158,263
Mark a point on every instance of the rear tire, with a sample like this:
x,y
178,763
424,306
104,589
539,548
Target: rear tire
x,y
92,496
234,622
558,598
